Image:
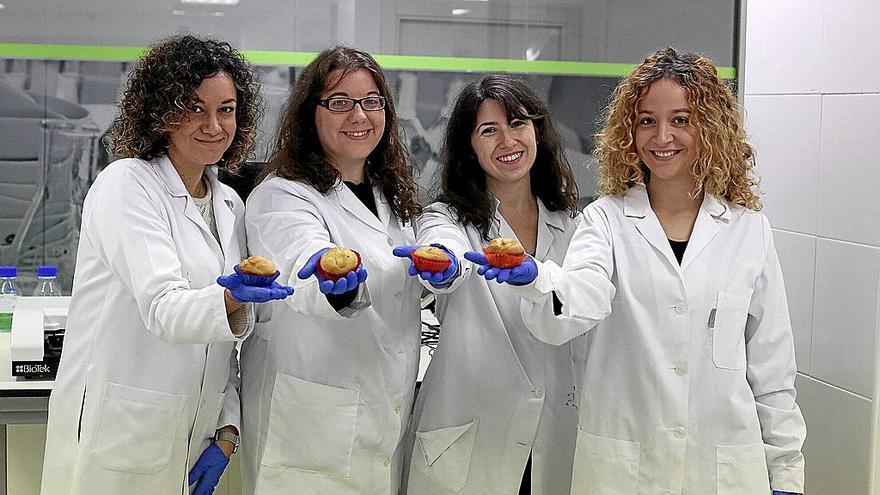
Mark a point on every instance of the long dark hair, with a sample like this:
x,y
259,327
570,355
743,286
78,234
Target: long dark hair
x,y
298,153
162,88
463,182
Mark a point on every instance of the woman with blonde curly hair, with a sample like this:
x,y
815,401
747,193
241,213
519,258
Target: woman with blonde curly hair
x,y
146,400
672,274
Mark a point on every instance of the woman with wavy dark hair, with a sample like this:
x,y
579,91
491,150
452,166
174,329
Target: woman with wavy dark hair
x,y
328,382
145,399
497,410
673,274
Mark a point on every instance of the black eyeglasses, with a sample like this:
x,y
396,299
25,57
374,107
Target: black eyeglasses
x,y
342,104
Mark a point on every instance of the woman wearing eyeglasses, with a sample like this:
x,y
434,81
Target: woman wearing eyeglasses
x,y
328,378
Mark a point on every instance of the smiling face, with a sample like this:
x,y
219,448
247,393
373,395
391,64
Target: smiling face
x,y
207,129
665,138
506,149
349,137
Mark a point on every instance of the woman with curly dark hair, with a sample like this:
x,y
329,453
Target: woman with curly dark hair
x,y
145,399
497,410
327,384
673,275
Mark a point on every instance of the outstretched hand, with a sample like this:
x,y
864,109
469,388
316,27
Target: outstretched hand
x,y
436,278
522,274
253,288
344,284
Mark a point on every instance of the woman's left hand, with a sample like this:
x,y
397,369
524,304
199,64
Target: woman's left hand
x,y
340,286
208,469
522,274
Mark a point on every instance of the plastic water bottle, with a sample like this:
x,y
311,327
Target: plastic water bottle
x,y
47,281
9,294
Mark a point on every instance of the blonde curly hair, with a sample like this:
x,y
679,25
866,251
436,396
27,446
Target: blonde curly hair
x,y
725,160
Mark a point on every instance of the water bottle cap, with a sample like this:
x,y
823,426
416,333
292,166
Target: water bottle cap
x,y
47,271
8,271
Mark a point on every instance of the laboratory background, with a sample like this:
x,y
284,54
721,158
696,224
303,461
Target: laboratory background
x,y
806,72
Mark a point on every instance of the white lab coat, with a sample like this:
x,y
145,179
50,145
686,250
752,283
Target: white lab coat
x,y
335,389
493,393
149,370
689,385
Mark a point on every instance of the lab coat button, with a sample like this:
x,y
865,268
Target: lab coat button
x,y
398,295
679,432
387,462
397,409
539,393
680,370
539,449
390,243
680,308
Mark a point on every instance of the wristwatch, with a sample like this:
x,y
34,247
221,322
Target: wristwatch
x,y
230,437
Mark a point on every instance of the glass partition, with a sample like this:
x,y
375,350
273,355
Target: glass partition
x,y
62,65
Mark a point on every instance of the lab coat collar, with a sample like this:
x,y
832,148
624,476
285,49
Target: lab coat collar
x,y
350,202
165,169
550,223
712,211
223,204
224,209
636,204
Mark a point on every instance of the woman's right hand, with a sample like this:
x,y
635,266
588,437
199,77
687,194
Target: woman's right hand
x,y
436,278
522,274
344,284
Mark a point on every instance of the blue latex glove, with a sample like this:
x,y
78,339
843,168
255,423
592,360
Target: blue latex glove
x,y
255,280
349,282
522,274
436,278
243,292
208,470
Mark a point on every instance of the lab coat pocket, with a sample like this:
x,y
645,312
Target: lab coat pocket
x,y
742,469
605,466
311,426
728,326
136,429
444,454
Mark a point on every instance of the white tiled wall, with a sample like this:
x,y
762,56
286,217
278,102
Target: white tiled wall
x,y
838,437
845,315
785,132
812,97
783,47
849,168
797,255
849,50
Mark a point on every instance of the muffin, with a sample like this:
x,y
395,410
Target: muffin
x,y
504,252
257,265
430,259
337,262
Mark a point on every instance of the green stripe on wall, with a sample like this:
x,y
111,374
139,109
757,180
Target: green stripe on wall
x,y
395,62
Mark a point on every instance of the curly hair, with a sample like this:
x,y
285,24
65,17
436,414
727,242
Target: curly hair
x,y
299,155
725,160
463,181
162,88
